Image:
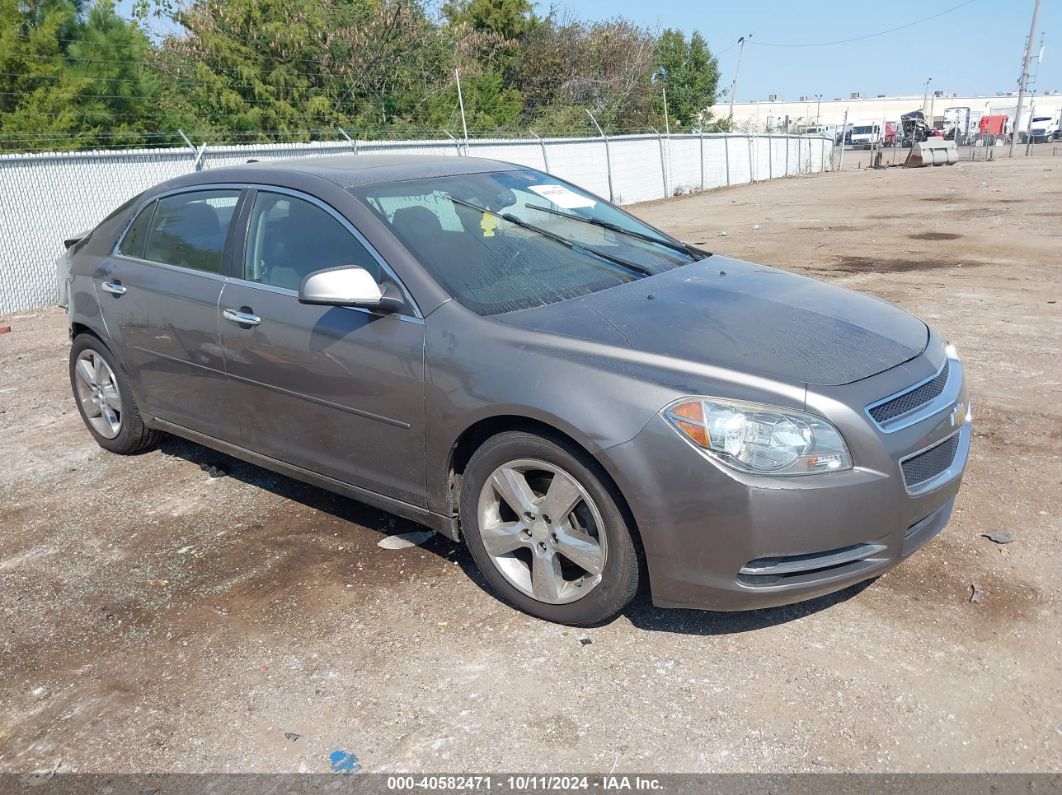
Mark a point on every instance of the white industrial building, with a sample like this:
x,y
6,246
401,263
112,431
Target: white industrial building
x,y
775,114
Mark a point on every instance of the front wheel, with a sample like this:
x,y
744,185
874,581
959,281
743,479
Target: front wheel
x,y
546,533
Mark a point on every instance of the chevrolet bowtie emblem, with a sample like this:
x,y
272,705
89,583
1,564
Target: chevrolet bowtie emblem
x,y
958,415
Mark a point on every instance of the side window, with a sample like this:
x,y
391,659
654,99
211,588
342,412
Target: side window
x,y
189,229
288,239
133,243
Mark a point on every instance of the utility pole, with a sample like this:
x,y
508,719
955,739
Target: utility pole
x,y
1032,99
844,129
1023,82
925,96
737,68
461,102
667,124
667,130
818,109
1032,115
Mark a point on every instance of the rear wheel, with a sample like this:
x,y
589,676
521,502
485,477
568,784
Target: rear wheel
x,y
545,531
105,398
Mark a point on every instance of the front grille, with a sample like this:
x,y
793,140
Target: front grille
x,y
926,466
909,401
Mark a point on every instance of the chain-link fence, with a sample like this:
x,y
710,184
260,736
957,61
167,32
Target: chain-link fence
x,y
49,197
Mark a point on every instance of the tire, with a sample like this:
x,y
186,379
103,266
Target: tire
x,y
593,530
114,396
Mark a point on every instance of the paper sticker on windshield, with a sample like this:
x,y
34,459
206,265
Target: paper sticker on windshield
x,y
561,196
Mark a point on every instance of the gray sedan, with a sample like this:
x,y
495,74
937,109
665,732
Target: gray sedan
x,y
591,405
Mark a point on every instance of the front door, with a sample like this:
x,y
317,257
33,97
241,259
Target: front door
x,y
334,390
159,296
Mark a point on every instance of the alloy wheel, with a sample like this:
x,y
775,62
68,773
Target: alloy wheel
x,y
542,531
97,390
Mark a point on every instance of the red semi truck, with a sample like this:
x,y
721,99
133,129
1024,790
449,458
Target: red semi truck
x,y
993,125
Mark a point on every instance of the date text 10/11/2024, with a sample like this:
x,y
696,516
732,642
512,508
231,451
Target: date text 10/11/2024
x,y
522,783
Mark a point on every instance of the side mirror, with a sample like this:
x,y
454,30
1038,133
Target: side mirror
x,y
347,286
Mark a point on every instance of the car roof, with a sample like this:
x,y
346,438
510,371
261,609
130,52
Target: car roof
x,y
352,171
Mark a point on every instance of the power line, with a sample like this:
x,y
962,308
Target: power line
x,y
168,80
273,104
868,35
162,66
727,49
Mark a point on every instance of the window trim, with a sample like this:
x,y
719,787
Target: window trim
x,y
239,226
239,249
210,186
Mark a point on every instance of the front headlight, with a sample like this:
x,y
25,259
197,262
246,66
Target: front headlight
x,y
754,437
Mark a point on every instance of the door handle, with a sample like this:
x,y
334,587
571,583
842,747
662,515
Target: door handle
x,y
116,288
243,318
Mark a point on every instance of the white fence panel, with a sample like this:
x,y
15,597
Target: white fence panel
x,y
45,198
637,169
510,151
684,157
776,160
715,161
740,154
581,161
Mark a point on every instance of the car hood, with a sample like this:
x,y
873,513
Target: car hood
x,y
744,317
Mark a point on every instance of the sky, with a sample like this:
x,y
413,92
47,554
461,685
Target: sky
x,y
975,49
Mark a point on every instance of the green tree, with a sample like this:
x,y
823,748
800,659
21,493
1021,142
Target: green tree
x,y
508,18
242,70
75,79
489,105
259,68
691,74
569,66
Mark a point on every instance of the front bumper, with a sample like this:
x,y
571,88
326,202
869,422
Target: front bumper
x,y
718,539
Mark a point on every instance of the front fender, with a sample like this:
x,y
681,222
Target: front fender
x,y
601,396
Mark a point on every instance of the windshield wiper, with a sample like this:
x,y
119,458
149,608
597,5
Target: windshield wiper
x,y
512,219
679,246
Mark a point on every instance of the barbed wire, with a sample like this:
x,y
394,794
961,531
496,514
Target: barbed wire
x,y
13,144
434,133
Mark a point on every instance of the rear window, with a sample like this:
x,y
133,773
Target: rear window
x,y
189,229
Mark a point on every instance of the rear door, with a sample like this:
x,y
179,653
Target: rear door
x,y
159,296
335,390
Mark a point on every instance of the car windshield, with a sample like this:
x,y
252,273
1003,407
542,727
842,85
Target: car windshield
x,y
862,130
509,240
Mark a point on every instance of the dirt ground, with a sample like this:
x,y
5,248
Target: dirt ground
x,y
156,618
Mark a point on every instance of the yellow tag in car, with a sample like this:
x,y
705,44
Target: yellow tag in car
x,y
487,224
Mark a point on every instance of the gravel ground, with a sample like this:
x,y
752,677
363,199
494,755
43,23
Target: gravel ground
x,y
156,618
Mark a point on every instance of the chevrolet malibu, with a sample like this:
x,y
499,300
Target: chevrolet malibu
x,y
590,404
